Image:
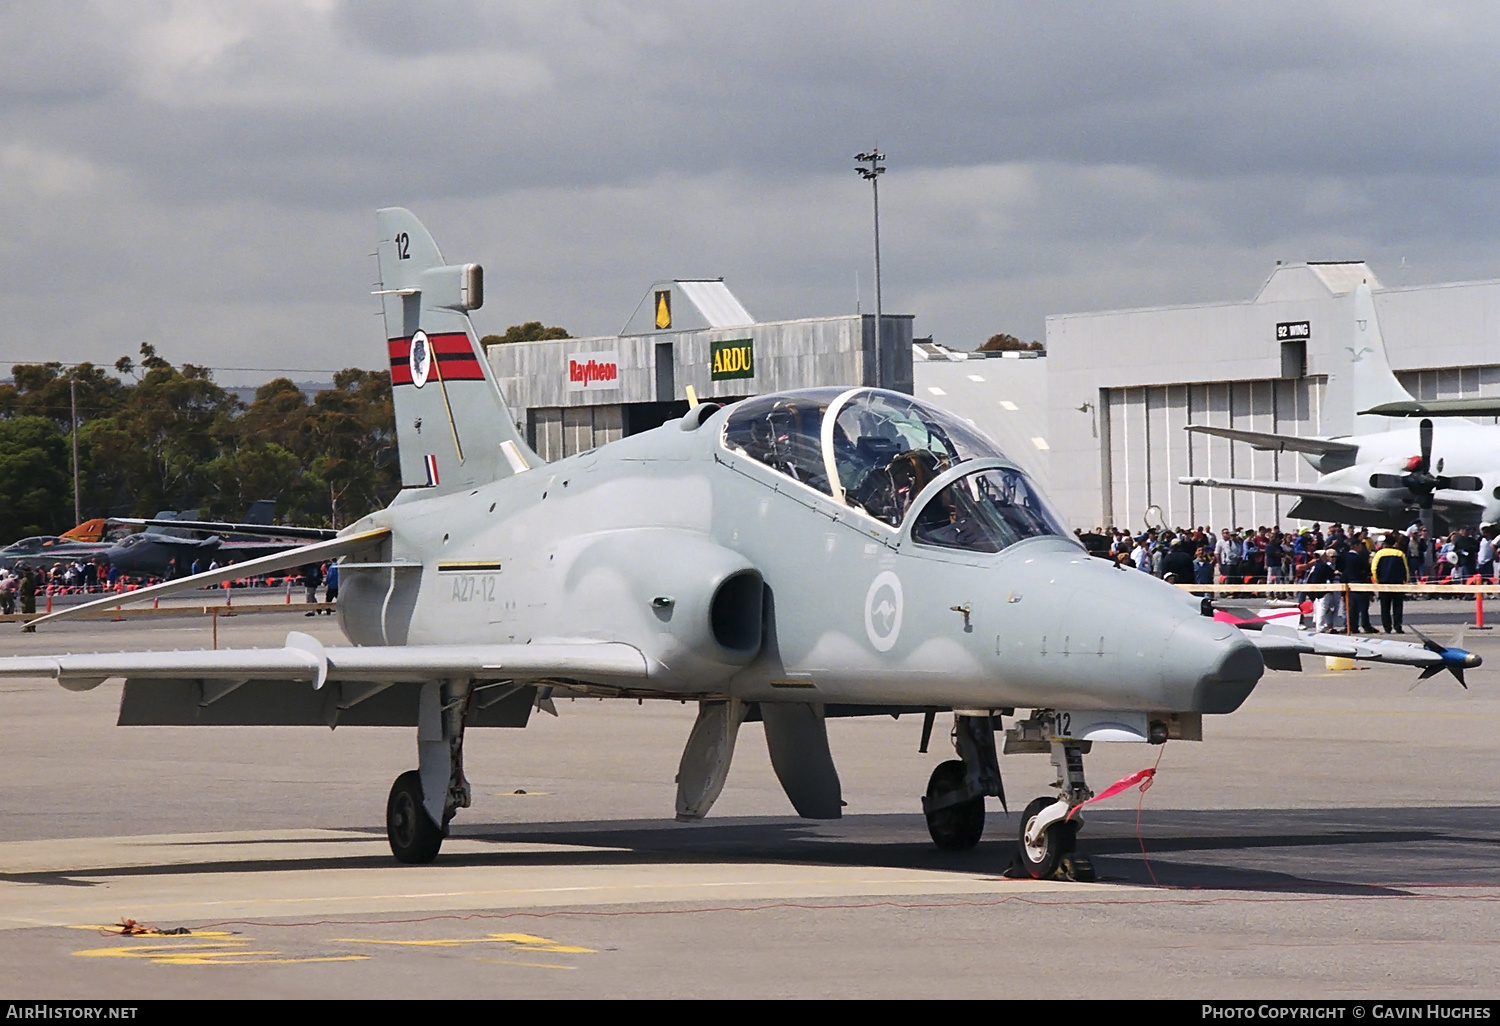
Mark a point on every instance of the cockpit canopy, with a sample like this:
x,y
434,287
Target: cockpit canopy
x,y
875,451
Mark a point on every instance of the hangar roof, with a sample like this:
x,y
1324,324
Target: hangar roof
x,y
691,303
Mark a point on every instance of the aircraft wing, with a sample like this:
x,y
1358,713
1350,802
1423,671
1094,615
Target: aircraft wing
x,y
307,684
1279,488
1437,408
1282,646
305,659
218,527
314,553
1277,443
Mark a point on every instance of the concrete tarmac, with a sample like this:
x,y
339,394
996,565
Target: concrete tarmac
x,y
1339,836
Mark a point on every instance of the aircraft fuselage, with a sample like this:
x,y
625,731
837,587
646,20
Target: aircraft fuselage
x,y
631,542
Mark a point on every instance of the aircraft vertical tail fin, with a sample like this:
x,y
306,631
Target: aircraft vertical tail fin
x,y
453,428
1371,378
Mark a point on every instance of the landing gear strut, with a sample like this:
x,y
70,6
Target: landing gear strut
x,y
424,800
1048,836
954,802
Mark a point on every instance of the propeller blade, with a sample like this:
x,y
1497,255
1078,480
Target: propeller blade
x,y
1425,434
1462,483
1387,481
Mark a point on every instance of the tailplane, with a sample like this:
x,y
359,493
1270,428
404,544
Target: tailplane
x,y
453,428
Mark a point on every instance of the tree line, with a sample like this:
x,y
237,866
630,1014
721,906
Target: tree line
x,y
153,436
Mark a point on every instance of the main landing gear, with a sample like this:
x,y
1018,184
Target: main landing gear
x,y
424,800
954,802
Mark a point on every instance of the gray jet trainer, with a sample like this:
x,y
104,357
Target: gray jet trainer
x,y
830,551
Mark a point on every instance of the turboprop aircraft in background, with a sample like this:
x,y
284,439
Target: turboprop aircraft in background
x,y
799,555
1387,477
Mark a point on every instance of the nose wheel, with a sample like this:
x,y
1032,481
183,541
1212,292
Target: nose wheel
x,y
1042,847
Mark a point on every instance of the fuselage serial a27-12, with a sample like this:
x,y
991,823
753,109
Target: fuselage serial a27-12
x,y
794,556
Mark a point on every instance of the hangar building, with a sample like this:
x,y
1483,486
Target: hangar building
x,y
1121,386
574,394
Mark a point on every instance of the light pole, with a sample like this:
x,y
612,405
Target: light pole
x,y
872,174
73,394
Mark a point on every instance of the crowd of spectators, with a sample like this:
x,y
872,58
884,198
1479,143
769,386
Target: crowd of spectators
x,y
1311,556
21,584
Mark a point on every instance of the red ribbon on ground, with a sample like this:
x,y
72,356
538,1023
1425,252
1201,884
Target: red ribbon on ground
x,y
1142,777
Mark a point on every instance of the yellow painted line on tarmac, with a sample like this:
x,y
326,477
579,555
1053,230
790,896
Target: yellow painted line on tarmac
x,y
529,965
223,952
522,941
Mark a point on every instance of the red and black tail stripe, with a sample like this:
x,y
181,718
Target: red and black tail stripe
x,y
455,357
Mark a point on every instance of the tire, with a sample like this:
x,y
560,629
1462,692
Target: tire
x,y
413,836
1041,860
956,827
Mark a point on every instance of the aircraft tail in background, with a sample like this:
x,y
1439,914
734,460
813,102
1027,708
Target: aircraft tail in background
x,y
453,428
1362,376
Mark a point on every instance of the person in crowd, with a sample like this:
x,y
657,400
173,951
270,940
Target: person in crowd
x,y
1140,556
312,576
27,590
1390,567
1484,554
331,585
1203,566
1354,567
1467,547
1177,565
1227,555
1325,604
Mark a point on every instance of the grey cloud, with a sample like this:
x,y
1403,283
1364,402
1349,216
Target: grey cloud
x,y
206,172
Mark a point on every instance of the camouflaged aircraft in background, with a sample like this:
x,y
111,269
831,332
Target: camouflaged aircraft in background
x,y
796,556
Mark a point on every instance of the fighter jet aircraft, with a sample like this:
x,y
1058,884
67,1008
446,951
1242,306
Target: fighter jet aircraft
x,y
173,541
1386,478
799,555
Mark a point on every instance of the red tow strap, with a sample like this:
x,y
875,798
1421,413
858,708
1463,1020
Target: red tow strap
x,y
1142,777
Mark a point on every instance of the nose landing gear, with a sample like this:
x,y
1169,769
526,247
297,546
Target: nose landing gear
x,y
1048,836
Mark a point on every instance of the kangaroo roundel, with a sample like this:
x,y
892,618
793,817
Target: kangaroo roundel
x,y
420,360
883,611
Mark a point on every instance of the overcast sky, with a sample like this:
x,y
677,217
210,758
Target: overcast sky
x,y
204,175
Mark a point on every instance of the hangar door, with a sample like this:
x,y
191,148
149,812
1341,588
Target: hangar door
x,y
1144,449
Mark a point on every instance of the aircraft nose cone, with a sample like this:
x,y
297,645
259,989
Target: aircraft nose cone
x,y
1222,666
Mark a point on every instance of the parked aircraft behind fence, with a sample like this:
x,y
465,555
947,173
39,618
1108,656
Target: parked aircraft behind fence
x,y
800,555
1386,478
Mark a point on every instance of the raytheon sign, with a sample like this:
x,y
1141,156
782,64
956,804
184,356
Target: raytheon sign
x,y
593,371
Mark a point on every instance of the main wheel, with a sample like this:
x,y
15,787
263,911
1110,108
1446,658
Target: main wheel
x,y
414,838
1041,859
955,827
